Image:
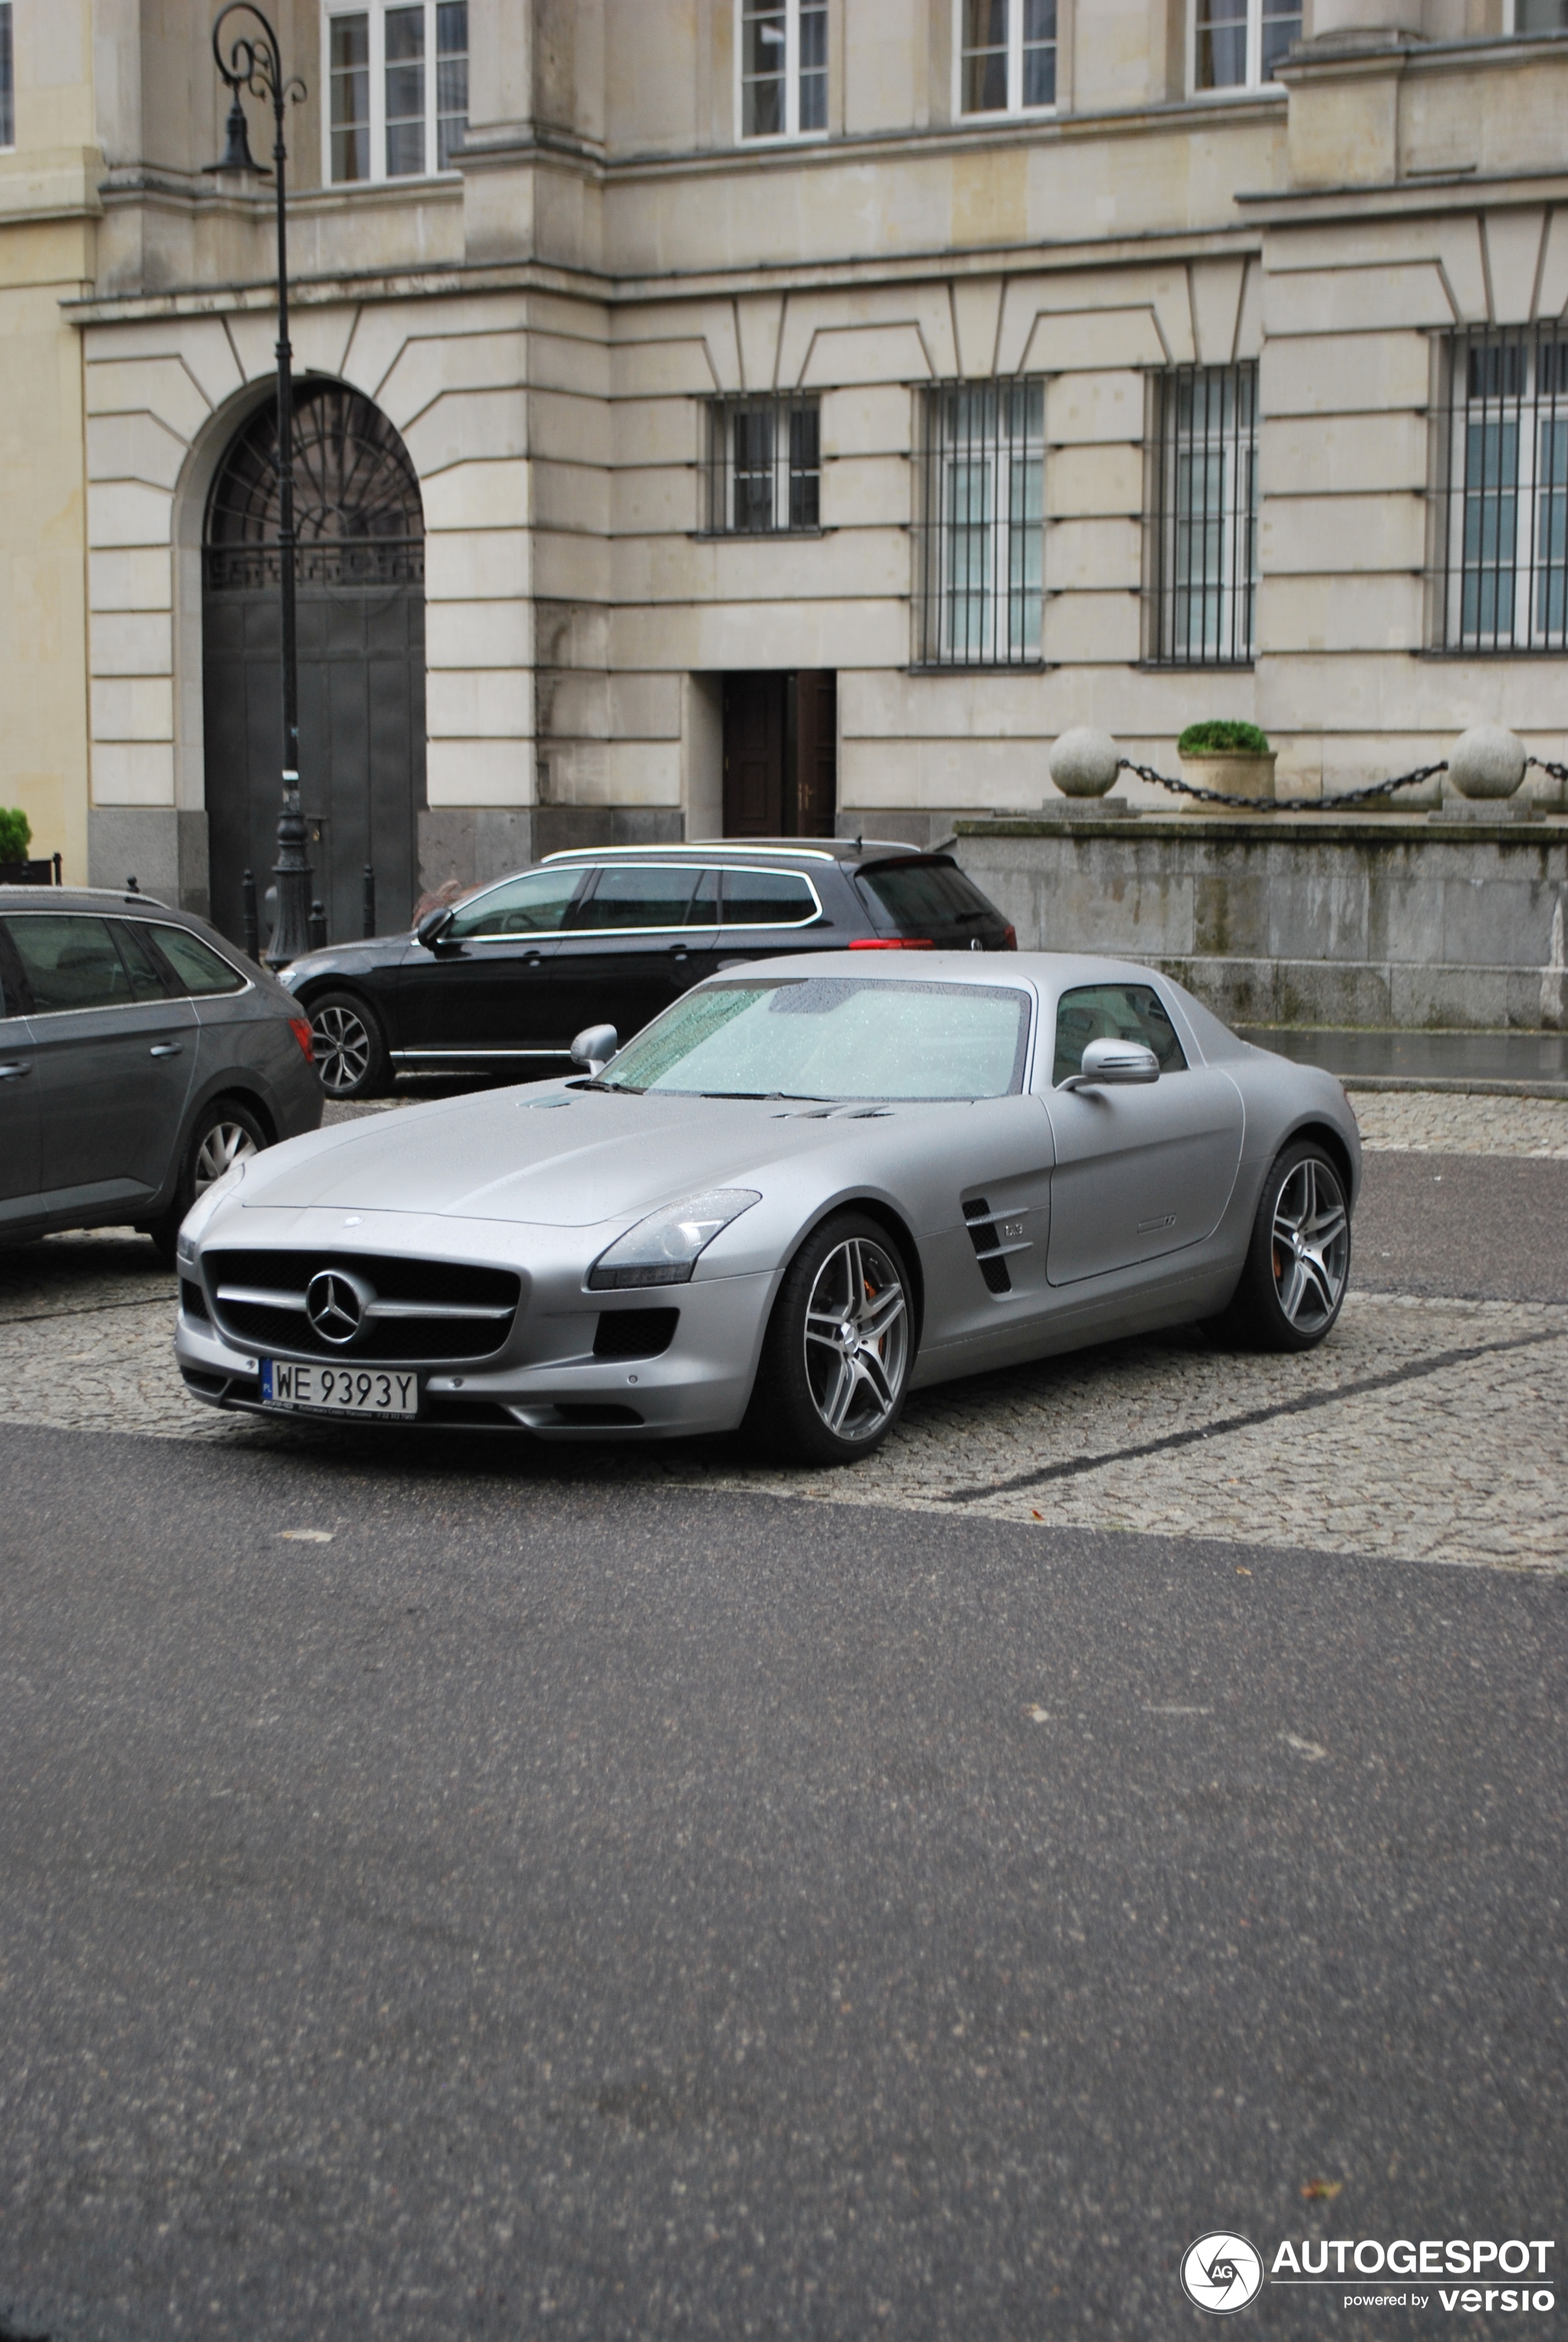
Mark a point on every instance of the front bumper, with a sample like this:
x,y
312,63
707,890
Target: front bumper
x,y
546,1380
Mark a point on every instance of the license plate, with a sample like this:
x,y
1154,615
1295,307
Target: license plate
x,y
338,1391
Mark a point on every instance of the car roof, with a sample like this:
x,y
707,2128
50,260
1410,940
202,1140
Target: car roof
x,y
741,849
1049,970
79,898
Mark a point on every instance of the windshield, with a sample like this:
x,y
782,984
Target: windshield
x,y
831,1036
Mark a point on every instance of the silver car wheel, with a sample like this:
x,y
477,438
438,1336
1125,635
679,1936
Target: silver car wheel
x,y
225,1144
1311,1245
343,1049
856,1339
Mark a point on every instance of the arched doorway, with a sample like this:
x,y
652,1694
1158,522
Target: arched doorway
x,y
360,586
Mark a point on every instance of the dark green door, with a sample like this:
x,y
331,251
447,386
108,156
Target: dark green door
x,y
359,582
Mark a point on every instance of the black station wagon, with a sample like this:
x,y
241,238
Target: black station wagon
x,y
506,978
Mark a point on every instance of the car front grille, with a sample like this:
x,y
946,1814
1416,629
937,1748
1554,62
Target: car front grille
x,y
414,1311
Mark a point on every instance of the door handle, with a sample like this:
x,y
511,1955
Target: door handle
x,y
680,951
15,1071
165,1050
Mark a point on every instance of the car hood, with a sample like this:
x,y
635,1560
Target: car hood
x,y
516,1155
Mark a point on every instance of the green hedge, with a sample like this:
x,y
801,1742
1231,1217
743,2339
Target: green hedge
x,y
16,834
1223,739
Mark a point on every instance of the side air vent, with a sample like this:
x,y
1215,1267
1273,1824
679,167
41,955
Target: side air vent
x,y
994,1235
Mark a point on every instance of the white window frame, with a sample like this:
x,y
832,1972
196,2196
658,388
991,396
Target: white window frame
x,y
1254,81
376,11
1014,69
792,131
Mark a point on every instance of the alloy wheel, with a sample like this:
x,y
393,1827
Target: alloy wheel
x,y
1311,1245
343,1049
226,1143
856,1339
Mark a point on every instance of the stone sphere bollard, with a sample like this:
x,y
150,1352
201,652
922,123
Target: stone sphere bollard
x,y
1084,763
1487,761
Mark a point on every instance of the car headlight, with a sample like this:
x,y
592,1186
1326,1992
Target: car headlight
x,y
203,1207
663,1249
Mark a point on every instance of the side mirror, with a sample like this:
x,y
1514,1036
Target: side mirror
x,y
1106,1063
594,1046
431,924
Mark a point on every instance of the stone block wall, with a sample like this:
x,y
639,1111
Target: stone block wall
x,y
1384,922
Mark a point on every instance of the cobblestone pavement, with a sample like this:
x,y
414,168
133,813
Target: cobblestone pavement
x,y
1426,1123
1426,1428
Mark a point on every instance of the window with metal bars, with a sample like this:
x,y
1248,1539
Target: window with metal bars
x,y
1502,495
1204,517
764,466
981,580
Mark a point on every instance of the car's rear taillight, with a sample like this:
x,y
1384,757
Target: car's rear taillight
x,y
300,1028
1010,937
891,943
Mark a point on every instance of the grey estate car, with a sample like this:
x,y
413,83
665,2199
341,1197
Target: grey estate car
x,y
140,1057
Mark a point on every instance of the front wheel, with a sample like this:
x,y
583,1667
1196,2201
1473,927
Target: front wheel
x,y
839,1346
348,1046
226,1133
1298,1262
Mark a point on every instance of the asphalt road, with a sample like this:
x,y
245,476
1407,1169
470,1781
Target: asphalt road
x,y
1475,1227
548,1910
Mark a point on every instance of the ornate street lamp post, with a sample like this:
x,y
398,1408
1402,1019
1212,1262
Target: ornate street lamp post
x,y
253,62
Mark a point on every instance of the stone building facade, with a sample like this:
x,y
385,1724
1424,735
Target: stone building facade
x,y
746,414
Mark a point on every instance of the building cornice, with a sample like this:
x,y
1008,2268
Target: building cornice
x,y
442,282
1421,192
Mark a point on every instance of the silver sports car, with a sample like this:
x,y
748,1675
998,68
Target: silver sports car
x,y
807,1189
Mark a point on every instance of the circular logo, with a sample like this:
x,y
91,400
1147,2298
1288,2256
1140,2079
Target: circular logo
x,y
1222,2272
336,1304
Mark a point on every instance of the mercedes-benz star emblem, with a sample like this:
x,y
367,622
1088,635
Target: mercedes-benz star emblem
x,y
335,1303
1222,2272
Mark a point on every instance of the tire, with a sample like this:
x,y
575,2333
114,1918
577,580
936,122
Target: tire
x,y
350,1047
839,1346
223,1133
1298,1261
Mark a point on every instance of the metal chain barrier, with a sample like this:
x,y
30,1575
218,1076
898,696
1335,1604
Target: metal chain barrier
x,y
1556,772
1306,804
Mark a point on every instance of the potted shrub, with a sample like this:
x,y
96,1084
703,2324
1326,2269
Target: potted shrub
x,y
15,837
1235,758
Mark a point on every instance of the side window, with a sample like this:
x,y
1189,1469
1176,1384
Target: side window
x,y
768,899
148,981
70,961
1113,1012
534,904
196,964
653,897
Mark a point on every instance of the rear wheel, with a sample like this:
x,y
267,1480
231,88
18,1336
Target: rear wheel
x,y
839,1346
226,1133
348,1045
1298,1262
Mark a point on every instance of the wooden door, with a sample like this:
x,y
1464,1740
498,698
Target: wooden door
x,y
754,756
816,753
781,754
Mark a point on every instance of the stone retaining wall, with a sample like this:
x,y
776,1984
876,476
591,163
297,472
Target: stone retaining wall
x,y
1383,920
